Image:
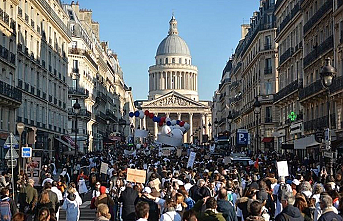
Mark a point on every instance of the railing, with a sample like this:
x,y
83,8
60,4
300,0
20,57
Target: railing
x,y
79,51
320,123
102,96
78,91
20,12
311,89
10,91
268,70
339,3
337,84
27,18
111,115
318,15
75,70
298,46
286,90
318,51
267,46
287,54
38,92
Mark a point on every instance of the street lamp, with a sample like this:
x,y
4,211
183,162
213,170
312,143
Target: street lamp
x,y
257,111
216,127
209,131
229,120
327,74
77,108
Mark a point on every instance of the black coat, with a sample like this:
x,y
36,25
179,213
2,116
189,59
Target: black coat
x,y
290,213
154,211
128,197
328,216
227,210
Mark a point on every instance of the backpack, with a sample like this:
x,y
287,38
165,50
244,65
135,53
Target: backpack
x,y
281,191
5,210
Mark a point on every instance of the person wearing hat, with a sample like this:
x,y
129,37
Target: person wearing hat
x,y
295,183
72,207
104,198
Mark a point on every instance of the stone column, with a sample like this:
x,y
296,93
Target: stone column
x,y
201,127
190,127
144,122
179,116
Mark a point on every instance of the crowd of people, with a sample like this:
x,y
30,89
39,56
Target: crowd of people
x,y
211,188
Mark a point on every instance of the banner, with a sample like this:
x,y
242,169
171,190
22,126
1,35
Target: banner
x,y
141,133
282,168
128,152
137,176
33,169
103,168
178,152
156,183
191,160
172,141
165,152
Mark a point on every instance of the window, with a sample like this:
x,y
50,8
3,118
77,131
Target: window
x,y
160,61
75,64
268,86
37,113
180,60
173,60
185,61
166,60
74,44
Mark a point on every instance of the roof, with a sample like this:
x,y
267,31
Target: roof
x,y
173,44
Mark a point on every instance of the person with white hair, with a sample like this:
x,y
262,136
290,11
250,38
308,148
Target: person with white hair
x,y
289,212
328,211
279,190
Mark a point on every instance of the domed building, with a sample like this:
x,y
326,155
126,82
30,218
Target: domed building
x,y
173,89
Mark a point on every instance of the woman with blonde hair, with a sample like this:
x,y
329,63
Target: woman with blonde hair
x,y
180,203
103,213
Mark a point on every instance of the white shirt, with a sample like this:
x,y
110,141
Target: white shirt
x,y
142,219
58,192
47,180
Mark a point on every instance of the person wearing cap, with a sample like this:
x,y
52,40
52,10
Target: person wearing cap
x,y
153,207
289,212
295,183
281,184
104,198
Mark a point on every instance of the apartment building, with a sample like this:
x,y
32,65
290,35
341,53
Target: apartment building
x,y
289,38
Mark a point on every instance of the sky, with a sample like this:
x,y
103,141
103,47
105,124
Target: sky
x,y
135,28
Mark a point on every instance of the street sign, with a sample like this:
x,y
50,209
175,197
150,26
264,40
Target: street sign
x,y
14,154
8,142
26,152
11,164
328,154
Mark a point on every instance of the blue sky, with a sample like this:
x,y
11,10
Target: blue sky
x,y
134,29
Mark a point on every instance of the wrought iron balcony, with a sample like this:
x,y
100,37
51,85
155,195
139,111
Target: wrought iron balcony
x,y
318,51
79,91
10,92
75,70
83,113
284,92
318,15
337,84
111,115
320,123
311,89
287,54
101,117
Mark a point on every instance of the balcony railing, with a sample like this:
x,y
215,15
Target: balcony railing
x,y
79,91
10,91
311,89
75,70
287,54
320,123
267,46
268,70
102,96
318,51
50,98
318,15
111,115
83,113
286,90
337,84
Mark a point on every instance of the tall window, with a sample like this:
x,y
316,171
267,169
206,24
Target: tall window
x,y
166,60
173,60
269,88
269,114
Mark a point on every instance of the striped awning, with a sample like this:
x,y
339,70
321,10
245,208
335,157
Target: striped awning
x,y
69,140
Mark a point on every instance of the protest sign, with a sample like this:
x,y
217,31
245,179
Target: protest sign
x,y
137,176
103,168
282,168
227,160
191,160
165,152
156,183
141,133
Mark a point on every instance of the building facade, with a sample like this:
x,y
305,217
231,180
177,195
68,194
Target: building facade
x,y
173,89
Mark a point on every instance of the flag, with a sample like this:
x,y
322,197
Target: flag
x,y
256,163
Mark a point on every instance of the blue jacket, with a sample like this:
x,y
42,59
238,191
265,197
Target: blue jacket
x,y
330,215
227,210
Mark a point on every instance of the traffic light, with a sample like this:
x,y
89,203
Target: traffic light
x,y
31,135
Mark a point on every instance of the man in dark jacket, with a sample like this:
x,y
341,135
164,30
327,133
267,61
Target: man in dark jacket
x,y
225,207
128,197
154,211
289,212
328,212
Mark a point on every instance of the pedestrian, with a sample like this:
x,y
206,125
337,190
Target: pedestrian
x,y
278,191
31,200
72,207
189,215
289,212
53,198
44,215
128,198
44,201
19,217
142,211
255,212
55,189
8,207
210,213
170,213
225,207
102,213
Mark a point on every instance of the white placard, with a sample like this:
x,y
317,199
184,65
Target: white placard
x,y
282,168
191,160
103,168
172,141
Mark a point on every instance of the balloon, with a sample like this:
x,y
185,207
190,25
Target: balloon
x,y
166,130
151,115
182,123
146,113
136,113
173,122
186,126
131,114
168,119
177,133
141,114
183,130
177,122
159,119
163,119
160,124
154,119
168,123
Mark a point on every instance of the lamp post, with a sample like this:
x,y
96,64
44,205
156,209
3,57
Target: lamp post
x,y
77,108
229,120
216,127
327,74
257,111
209,130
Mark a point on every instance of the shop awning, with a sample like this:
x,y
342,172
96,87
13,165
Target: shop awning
x,y
286,146
69,140
267,139
64,143
302,143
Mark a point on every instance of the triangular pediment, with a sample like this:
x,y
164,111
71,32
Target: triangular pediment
x,y
173,99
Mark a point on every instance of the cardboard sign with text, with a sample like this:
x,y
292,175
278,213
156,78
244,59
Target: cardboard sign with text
x,y
103,168
191,160
137,176
282,168
156,183
165,152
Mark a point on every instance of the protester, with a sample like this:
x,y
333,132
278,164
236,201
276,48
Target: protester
x,y
72,207
8,207
289,212
142,211
225,207
128,198
102,213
